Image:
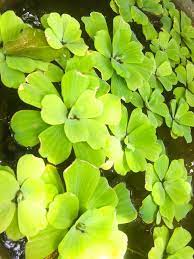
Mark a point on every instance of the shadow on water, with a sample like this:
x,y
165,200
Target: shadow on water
x,y
139,234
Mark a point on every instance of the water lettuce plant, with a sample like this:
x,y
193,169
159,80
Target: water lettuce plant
x,y
129,149
24,197
79,116
86,217
171,245
170,190
100,107
17,59
181,120
64,32
121,55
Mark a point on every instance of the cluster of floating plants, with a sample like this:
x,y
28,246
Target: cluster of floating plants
x,y
101,105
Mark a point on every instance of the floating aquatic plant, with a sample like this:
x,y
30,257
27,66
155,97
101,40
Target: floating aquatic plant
x,y
170,190
25,196
173,245
85,218
102,104
80,116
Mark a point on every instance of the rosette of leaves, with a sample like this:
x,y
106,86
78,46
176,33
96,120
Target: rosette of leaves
x,y
185,76
181,120
164,77
134,142
79,119
167,44
155,104
170,192
87,215
122,56
63,31
23,51
171,246
25,197
134,9
152,100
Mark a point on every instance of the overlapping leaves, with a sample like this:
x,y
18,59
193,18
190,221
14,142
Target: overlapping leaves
x,y
87,214
25,197
134,143
79,117
173,245
170,192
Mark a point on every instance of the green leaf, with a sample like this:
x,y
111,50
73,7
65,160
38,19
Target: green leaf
x,y
27,125
25,65
102,43
158,193
120,130
164,69
115,153
8,186
73,85
78,48
176,171
138,16
13,231
103,64
149,31
31,217
148,210
52,177
179,239
53,110
54,144
167,210
88,130
87,106
144,140
135,160
63,211
56,24
7,210
186,252
54,73
29,166
94,23
37,86
81,179
103,196
178,190
89,230
43,244
150,177
161,166
11,26
10,77
84,152
111,114
126,212
32,43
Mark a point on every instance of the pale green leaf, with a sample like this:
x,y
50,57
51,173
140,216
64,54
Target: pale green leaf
x,y
54,144
125,209
36,87
27,125
63,211
29,166
53,110
81,179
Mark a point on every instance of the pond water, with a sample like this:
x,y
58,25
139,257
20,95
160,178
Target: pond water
x,y
139,234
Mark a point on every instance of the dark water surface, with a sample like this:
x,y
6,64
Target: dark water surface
x,y
139,234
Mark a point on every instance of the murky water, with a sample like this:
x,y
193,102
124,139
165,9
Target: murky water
x,y
139,234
